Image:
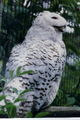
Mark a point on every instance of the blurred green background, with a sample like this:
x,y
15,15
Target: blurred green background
x,y
16,19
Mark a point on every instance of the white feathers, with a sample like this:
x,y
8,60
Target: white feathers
x,y
47,19
42,51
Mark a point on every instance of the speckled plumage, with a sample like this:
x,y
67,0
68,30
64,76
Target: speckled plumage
x,y
42,51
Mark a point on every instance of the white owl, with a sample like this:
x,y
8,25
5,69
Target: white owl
x,y
43,52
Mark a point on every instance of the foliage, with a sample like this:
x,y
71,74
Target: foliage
x,y
69,92
9,108
42,114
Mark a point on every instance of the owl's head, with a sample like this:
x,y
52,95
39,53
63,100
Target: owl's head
x,y
51,19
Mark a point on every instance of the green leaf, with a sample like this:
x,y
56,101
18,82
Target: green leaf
x,y
42,114
11,109
1,88
25,91
27,72
11,73
2,107
29,115
3,79
2,97
2,112
18,71
19,99
71,100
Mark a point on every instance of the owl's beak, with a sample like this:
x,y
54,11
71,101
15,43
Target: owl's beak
x,y
61,28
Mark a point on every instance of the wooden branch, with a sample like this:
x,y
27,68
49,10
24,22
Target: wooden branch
x,y
61,111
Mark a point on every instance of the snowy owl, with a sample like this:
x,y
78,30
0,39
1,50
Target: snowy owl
x,y
43,52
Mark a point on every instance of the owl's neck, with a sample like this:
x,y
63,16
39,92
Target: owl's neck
x,y
43,33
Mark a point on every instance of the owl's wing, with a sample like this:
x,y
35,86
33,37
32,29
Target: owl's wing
x,y
46,65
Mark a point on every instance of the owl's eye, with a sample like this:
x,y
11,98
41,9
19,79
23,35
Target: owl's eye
x,y
54,18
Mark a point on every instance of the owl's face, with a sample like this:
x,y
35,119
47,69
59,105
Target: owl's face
x,y
53,20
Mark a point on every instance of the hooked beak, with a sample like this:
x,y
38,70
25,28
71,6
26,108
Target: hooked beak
x,y
61,28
